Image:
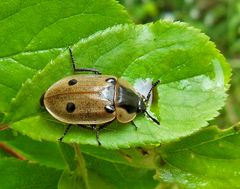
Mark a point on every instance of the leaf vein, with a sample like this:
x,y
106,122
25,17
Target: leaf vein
x,y
59,19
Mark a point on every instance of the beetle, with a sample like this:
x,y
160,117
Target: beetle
x,y
93,101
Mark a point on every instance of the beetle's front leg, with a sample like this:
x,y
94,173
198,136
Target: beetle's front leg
x,y
134,125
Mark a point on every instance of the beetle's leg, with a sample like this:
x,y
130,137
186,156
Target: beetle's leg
x,y
93,127
65,132
97,133
81,69
134,125
87,70
97,137
153,85
86,127
97,129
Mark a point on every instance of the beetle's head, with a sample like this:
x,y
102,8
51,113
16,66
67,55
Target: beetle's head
x,y
141,106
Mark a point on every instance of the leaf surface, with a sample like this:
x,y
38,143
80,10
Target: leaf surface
x,y
133,157
23,175
208,159
100,169
44,153
116,176
29,39
194,77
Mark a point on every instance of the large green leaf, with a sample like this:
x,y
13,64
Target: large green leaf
x,y
75,176
34,32
4,154
193,74
88,170
22,175
44,153
115,169
207,159
133,157
103,174
103,170
71,180
51,154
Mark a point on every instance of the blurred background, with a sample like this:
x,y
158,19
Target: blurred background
x,y
219,19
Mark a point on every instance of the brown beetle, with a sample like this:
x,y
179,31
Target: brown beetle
x,y
92,101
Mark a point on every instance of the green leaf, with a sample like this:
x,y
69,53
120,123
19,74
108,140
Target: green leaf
x,y
231,113
71,180
21,175
29,39
207,159
3,153
76,174
103,174
44,153
93,167
7,135
133,157
194,77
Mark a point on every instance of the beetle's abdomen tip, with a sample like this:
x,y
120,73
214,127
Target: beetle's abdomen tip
x,y
42,100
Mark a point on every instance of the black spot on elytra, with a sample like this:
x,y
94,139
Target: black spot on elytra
x,y
72,82
70,107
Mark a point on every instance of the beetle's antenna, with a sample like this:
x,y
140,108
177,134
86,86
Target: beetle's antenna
x,y
149,93
72,59
152,118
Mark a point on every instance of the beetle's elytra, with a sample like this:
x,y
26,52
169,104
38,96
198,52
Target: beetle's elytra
x,y
92,101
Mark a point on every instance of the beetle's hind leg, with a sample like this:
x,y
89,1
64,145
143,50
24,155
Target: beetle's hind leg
x,y
92,127
97,134
95,128
65,132
82,69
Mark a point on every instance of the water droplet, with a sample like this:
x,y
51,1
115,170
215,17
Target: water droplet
x,y
145,35
185,84
143,86
207,84
219,75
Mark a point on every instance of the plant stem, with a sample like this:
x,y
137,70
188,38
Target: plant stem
x,y
81,165
11,151
4,127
